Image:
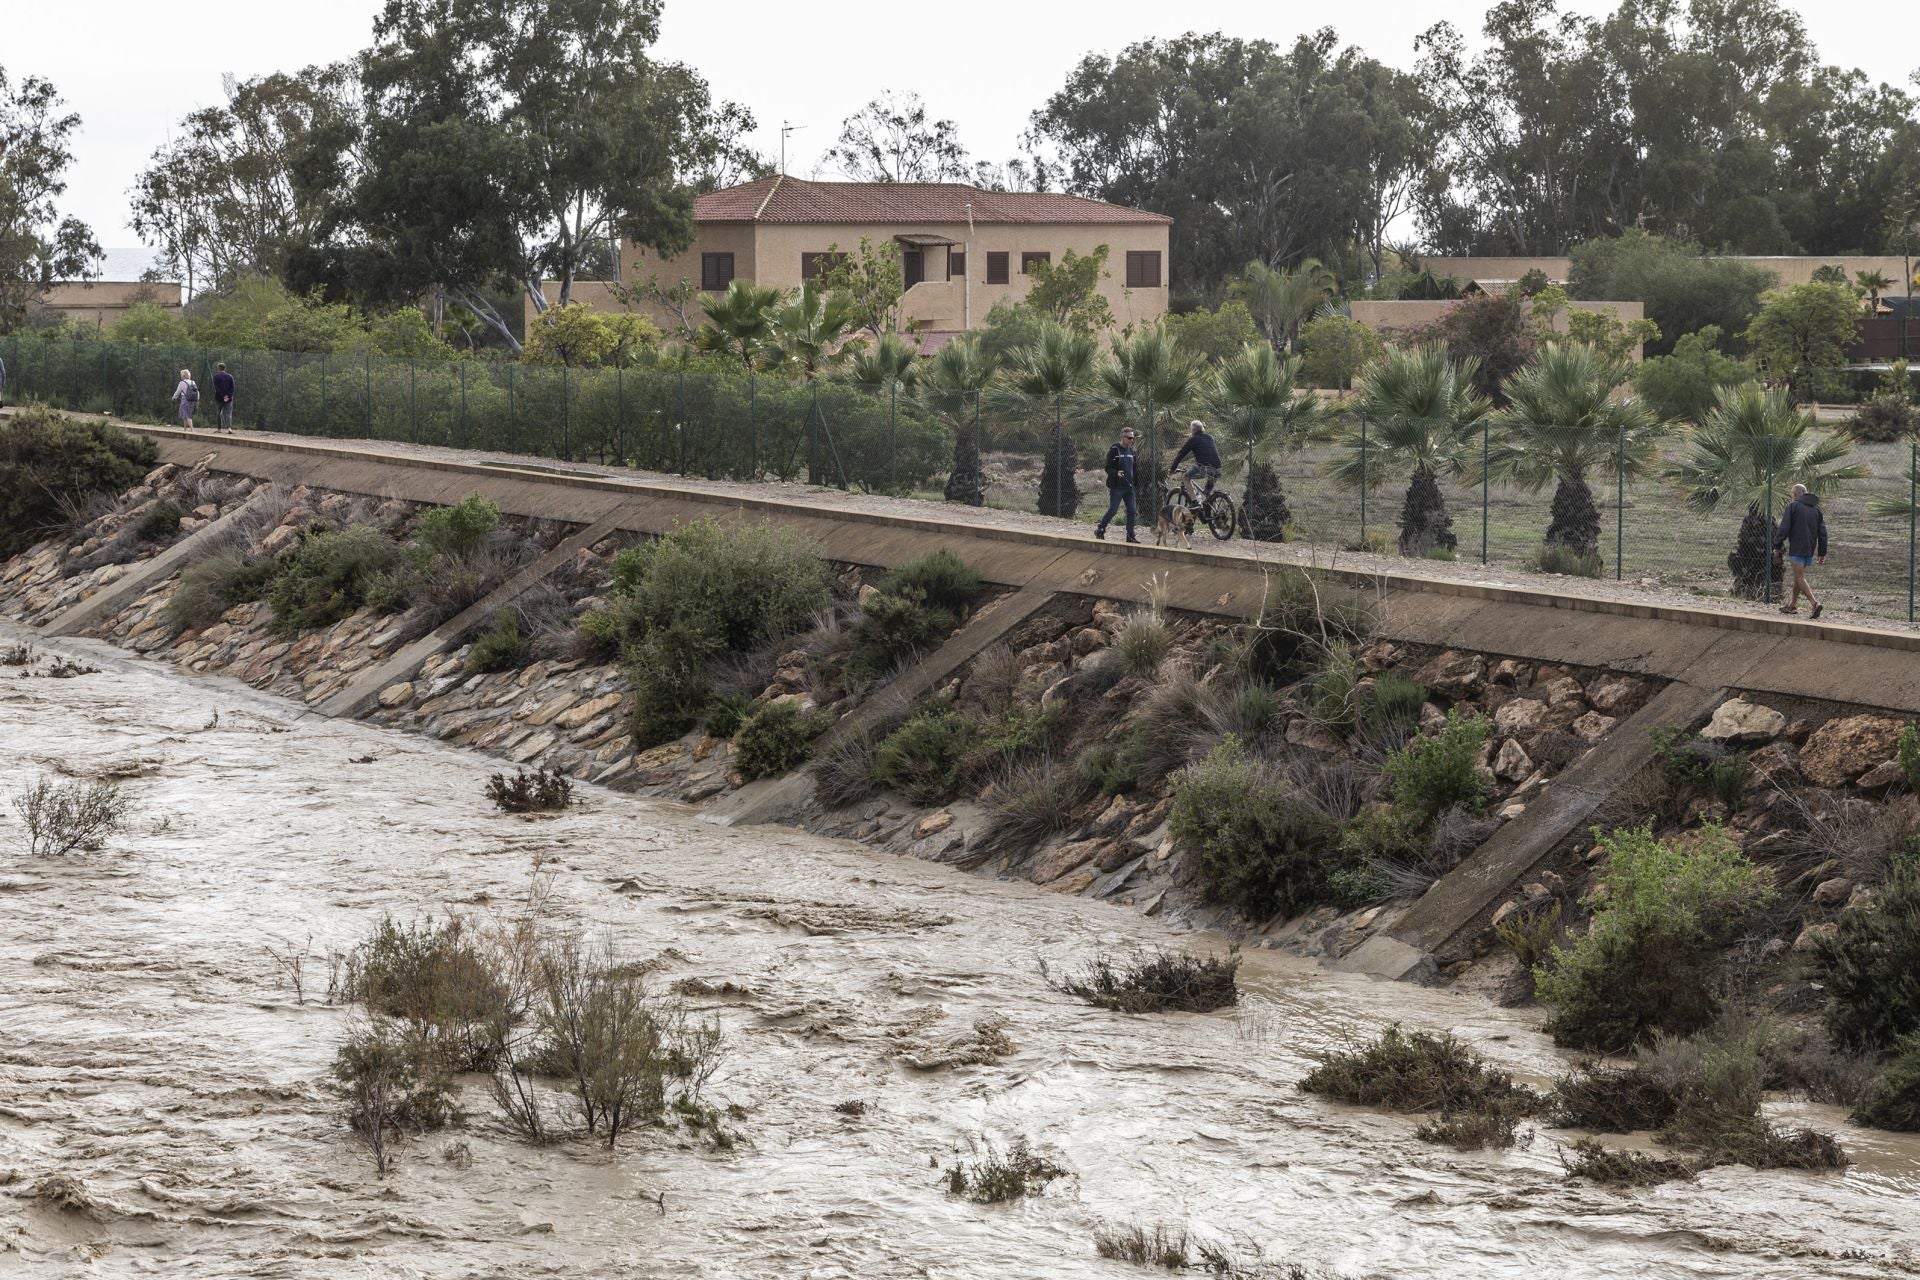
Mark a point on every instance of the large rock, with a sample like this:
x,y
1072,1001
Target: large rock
x,y
1592,726
1520,715
1512,763
1737,720
1615,695
395,694
1056,862
1841,750
1454,674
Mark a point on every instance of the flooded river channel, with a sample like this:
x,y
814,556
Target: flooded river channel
x,y
151,1047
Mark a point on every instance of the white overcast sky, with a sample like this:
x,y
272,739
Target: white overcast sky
x,y
131,68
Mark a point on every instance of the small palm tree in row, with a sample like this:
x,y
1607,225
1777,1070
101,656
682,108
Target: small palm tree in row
x,y
1748,452
1566,419
1256,395
1055,369
1419,416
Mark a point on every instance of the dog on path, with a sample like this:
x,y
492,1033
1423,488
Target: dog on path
x,y
1175,521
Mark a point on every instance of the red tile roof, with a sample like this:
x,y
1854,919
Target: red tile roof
x,y
790,199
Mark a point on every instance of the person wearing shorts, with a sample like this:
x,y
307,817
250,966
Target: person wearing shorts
x,y
1803,534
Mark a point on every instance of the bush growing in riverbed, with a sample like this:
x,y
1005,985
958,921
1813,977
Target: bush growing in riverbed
x,y
998,1177
215,585
1417,1071
1433,774
542,791
50,463
1133,1243
1611,1099
1651,959
394,1085
438,982
1159,982
1893,1100
62,817
1586,1158
1716,1079
921,759
500,648
1257,847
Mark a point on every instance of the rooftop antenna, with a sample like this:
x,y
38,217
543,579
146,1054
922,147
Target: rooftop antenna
x,y
786,129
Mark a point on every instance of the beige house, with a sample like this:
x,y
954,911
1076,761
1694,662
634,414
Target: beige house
x,y
101,302
962,248
1491,274
1390,318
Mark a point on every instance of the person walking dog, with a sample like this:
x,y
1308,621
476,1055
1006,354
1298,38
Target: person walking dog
x,y
223,398
1119,485
1803,532
188,394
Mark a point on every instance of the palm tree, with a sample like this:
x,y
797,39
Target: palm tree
x,y
1146,376
739,322
1057,365
1282,301
1564,419
1750,447
1257,393
950,389
889,364
1873,284
1418,411
809,332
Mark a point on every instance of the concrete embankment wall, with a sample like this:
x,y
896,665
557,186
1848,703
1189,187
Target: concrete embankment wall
x,y
1696,655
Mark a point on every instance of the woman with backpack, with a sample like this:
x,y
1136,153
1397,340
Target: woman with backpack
x,y
188,394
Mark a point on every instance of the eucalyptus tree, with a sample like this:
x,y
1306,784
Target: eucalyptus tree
x,y
1748,452
38,245
1567,418
1418,415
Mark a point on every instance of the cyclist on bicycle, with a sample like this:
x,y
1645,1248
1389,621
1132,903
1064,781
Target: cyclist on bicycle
x,y
1206,461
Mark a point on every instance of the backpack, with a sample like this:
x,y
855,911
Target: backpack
x,y
193,392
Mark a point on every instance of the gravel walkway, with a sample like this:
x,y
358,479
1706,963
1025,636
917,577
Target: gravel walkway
x,y
1307,554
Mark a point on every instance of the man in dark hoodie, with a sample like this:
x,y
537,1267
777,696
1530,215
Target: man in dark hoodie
x,y
1119,485
1803,532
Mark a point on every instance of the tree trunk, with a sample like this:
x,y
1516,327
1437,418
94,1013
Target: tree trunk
x,y
1576,521
1424,522
1752,561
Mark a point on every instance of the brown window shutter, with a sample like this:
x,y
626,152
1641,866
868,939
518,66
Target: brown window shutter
x,y
1143,269
716,271
997,268
956,263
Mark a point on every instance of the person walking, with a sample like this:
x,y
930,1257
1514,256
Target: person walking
x,y
223,398
1119,485
188,395
1803,532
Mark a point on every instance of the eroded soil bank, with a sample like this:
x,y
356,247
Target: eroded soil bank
x,y
154,1051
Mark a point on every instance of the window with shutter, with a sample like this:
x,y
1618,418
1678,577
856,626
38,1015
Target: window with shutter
x,y
716,271
1143,269
996,268
1031,256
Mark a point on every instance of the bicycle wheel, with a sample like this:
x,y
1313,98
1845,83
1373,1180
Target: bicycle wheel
x,y
1220,516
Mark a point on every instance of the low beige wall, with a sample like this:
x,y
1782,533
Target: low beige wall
x,y
1388,318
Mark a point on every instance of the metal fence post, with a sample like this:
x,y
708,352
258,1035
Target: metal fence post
x,y
463,404
413,404
1059,471
680,417
369,367
511,409
1486,480
893,435
326,420
979,457
566,418
753,427
1363,478
1913,515
1766,559
620,413
1620,506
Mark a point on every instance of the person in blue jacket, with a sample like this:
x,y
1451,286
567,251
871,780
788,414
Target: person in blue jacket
x,y
1119,485
1803,532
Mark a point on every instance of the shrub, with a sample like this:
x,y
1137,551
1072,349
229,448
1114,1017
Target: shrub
x,y
208,589
1016,735
1111,768
996,1178
1141,643
1686,759
502,647
1717,1079
330,575
1419,1072
1257,847
1650,960
1333,698
777,739
728,712
844,774
668,677
393,1084
438,982
921,759
1727,779
1471,1130
1610,1099
891,630
1586,1158
604,1035
1393,703
1031,801
1432,774
541,791
1893,1101
1882,420
1558,557
72,815
1132,1243
458,530
1301,617
161,522
50,463
1529,933
941,578
1155,983
1910,756
1872,964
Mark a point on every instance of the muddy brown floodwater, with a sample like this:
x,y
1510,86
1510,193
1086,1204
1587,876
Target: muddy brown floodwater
x,y
150,1048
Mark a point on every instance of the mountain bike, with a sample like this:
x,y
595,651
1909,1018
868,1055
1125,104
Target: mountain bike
x,y
1216,511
